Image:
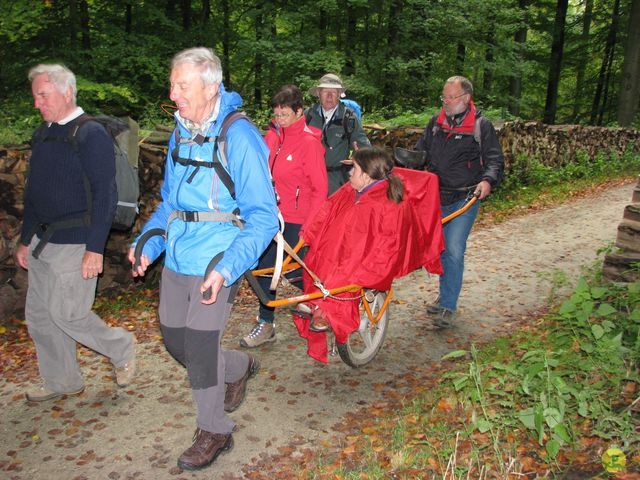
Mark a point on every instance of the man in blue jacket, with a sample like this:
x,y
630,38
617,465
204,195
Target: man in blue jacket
x,y
196,210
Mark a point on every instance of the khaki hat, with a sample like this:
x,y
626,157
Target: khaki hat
x,y
329,80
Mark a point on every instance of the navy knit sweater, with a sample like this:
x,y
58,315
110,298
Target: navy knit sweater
x,y
56,186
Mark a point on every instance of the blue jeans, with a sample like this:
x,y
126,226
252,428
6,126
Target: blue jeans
x,y
456,232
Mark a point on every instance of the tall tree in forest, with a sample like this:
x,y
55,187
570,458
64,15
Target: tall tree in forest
x,y
185,6
555,62
206,10
583,58
85,26
226,39
128,16
487,77
461,51
515,81
600,98
350,39
630,82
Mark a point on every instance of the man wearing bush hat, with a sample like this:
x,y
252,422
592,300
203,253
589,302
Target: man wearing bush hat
x,y
341,129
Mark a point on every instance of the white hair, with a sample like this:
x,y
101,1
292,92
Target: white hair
x,y
465,83
203,58
61,77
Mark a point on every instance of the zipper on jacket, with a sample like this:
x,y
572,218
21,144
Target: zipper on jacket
x,y
297,195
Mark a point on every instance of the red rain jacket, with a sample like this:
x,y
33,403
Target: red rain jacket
x,y
369,242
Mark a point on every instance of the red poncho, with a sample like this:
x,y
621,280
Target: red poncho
x,y
369,242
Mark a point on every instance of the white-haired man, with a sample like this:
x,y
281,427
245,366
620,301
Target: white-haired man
x,y
69,203
341,129
196,211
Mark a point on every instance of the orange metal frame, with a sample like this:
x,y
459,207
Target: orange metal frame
x,y
289,265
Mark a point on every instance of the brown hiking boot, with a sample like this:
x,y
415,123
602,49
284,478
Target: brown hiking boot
x,y
205,449
236,391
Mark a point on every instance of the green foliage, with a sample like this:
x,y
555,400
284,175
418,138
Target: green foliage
x,y
394,56
526,172
569,376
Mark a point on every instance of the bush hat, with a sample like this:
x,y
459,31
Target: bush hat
x,y
329,80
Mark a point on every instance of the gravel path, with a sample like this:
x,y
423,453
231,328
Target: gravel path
x,y
138,432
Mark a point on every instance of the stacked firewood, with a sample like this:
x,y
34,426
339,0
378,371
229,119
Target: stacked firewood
x,y
553,145
619,266
13,169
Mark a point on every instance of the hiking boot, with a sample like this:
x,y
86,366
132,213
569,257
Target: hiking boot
x,y
435,308
262,332
205,449
125,374
235,392
445,319
42,394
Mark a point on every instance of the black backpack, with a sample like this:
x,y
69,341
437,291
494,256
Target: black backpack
x,y
124,134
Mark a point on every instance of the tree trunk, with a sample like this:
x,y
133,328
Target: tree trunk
x,y
487,77
128,17
584,56
350,41
73,23
322,26
607,100
515,82
393,28
555,64
226,38
84,26
258,61
460,54
599,99
185,6
630,81
206,10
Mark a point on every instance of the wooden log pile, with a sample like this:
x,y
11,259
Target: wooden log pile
x,y
553,145
618,266
13,168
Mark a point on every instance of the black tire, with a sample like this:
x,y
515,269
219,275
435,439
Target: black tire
x,y
363,344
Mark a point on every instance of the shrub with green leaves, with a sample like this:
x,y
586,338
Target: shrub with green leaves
x,y
571,375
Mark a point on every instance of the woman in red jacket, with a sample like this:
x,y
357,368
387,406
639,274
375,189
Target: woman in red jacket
x,y
296,161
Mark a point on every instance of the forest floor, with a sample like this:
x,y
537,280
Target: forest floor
x,y
295,406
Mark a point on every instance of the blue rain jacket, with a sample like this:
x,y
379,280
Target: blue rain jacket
x,y
190,246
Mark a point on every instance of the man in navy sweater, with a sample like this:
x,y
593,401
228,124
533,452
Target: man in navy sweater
x,y
69,203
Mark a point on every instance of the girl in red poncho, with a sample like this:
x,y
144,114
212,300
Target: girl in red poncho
x,y
382,225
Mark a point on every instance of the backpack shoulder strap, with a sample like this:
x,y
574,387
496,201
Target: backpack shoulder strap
x,y
348,121
477,133
220,150
76,124
39,135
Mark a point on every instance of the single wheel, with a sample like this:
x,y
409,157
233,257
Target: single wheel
x,y
363,344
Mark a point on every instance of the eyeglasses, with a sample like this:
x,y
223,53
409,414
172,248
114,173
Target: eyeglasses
x,y
282,115
451,99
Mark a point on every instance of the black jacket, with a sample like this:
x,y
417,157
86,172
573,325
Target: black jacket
x,y
457,159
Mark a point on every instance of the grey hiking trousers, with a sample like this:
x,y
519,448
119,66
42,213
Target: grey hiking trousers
x,y
58,314
192,333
